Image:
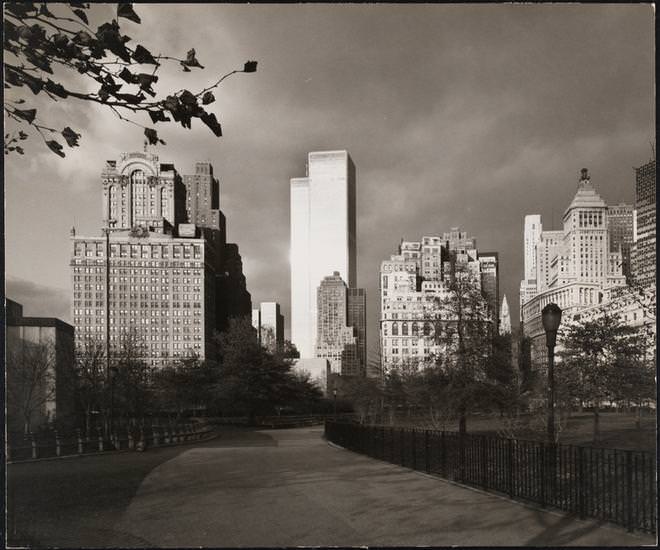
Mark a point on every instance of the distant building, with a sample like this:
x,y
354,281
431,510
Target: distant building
x,y
336,341
357,318
414,282
54,393
163,266
620,227
323,238
532,234
269,323
575,267
505,318
490,282
644,255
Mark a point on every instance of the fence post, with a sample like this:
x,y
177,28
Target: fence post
x,y
427,457
80,442
58,447
510,466
628,503
414,449
484,462
100,441
34,446
581,482
154,433
543,475
443,454
131,444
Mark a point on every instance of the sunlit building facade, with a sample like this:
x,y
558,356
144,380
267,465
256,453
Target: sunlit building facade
x,y
323,237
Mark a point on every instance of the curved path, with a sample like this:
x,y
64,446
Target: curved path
x,y
269,488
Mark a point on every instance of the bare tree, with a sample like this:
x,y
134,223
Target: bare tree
x,y
91,379
30,380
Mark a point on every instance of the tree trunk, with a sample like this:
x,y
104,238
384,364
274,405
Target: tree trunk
x,y
462,421
596,425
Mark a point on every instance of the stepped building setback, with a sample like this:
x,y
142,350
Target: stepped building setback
x,y
162,267
414,281
576,267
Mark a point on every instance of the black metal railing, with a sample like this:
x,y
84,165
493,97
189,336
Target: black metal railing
x,y
611,485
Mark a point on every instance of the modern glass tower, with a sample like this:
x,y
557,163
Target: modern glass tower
x,y
323,237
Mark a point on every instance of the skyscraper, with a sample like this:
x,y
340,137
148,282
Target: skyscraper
x,y
323,237
269,323
532,233
413,284
336,341
644,266
161,271
490,282
505,318
576,267
620,227
357,318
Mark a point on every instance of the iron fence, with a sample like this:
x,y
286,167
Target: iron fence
x,y
612,485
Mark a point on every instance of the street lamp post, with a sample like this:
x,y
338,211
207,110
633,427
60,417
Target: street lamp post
x,y
551,318
334,393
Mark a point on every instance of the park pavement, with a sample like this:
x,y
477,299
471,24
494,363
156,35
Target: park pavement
x,y
271,488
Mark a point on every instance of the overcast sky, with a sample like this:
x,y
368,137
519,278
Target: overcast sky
x,y
455,115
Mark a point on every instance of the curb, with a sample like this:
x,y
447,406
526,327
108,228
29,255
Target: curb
x,y
528,505
109,452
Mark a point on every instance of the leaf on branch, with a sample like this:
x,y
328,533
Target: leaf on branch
x,y
250,67
10,30
131,98
171,103
109,37
191,60
13,77
126,11
207,98
188,99
145,81
185,69
71,137
82,16
210,120
158,116
35,84
128,76
19,150
56,89
142,55
22,135
26,114
60,40
18,9
152,136
55,147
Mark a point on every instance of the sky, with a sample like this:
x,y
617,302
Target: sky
x,y
455,115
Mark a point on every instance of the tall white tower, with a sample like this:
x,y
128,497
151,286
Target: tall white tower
x,y
505,318
533,230
323,238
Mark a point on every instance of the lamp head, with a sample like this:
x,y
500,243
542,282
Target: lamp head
x,y
551,319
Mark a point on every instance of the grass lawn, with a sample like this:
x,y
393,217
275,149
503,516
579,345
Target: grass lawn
x,y
617,430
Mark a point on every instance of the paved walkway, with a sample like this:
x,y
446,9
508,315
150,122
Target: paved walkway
x,y
284,488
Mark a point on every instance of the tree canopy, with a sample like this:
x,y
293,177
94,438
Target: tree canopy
x,y
54,50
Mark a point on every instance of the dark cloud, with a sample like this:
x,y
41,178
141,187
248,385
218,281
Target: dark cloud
x,y
470,115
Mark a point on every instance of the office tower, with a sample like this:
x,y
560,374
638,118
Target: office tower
x,y
644,266
323,237
576,268
505,318
532,233
490,282
357,318
620,227
336,341
161,274
44,339
413,284
269,323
